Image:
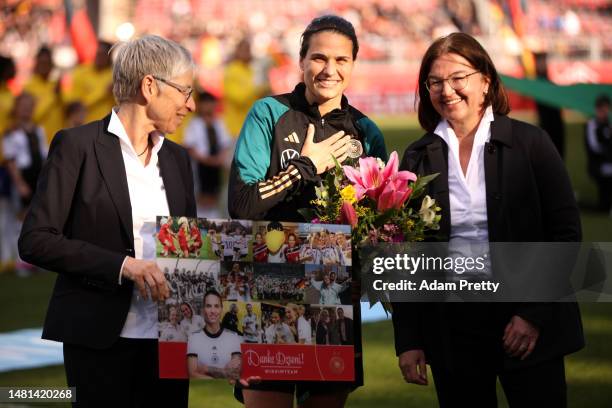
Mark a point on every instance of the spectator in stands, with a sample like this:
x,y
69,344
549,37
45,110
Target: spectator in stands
x,y
92,84
49,112
7,72
75,114
240,87
599,151
208,143
25,148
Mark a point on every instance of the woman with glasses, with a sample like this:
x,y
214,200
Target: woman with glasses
x,y
499,180
93,219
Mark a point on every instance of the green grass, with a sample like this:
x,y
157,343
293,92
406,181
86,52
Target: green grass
x,y
589,372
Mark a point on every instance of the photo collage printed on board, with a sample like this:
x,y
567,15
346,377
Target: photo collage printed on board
x,y
235,281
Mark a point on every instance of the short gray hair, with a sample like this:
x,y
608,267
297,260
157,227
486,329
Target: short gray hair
x,y
148,55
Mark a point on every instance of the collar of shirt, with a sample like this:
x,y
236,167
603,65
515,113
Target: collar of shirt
x,y
467,192
116,128
483,134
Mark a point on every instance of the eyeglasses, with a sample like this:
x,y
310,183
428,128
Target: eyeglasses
x,y
186,91
457,82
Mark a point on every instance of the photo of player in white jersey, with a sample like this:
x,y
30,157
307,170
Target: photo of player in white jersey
x,y
213,352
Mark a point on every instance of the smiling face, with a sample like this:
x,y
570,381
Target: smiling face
x,y
167,107
459,107
173,317
291,240
327,68
186,310
291,312
212,309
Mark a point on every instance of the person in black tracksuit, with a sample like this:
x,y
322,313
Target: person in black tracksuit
x,y
285,147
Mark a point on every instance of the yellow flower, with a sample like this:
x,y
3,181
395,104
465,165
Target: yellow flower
x,y
410,224
349,194
318,202
361,211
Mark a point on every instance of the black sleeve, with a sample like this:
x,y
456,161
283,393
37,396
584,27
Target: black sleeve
x,y
42,241
560,219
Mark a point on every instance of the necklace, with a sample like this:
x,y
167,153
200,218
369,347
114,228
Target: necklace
x,y
146,148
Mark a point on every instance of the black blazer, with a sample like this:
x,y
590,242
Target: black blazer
x,y
521,166
80,226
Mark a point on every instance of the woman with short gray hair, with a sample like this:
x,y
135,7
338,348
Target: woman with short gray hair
x,y
92,221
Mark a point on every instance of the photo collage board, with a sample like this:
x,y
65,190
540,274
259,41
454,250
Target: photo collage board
x,y
255,298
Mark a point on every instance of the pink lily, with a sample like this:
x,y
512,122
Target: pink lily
x,y
370,180
396,191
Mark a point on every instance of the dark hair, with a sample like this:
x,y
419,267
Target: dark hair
x,y
328,23
189,306
466,46
7,68
43,50
105,45
211,292
602,100
205,96
275,225
74,107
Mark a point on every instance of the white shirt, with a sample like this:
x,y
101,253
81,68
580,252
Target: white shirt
x,y
148,200
196,136
249,324
16,147
214,350
190,326
469,233
304,330
171,332
279,333
329,295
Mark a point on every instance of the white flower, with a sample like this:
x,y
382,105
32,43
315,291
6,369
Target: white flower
x,y
427,203
426,212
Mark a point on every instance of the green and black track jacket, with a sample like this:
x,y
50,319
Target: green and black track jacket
x,y
269,179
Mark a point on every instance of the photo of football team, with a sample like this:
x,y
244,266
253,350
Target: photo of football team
x,y
234,282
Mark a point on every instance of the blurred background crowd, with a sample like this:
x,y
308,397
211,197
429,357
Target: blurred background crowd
x,y
56,68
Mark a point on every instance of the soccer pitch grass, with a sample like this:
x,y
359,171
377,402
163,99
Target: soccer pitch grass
x,y
589,372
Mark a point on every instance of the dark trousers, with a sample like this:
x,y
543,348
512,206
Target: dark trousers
x,y
471,379
124,375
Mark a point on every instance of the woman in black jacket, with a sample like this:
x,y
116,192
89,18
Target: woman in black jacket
x,y
500,180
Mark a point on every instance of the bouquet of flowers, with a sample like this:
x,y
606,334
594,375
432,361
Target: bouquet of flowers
x,y
381,203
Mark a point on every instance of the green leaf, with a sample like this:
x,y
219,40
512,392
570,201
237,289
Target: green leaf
x,y
422,181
